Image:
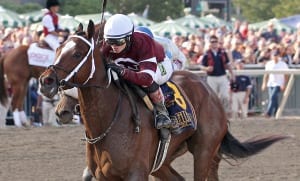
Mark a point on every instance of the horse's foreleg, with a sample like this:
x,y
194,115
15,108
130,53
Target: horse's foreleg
x,y
166,172
213,174
204,150
137,175
87,175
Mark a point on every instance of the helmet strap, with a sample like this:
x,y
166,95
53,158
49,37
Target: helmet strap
x,y
128,43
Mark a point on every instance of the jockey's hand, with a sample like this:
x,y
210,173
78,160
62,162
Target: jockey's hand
x,y
118,69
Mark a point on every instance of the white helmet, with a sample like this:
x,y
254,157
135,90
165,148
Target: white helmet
x,y
118,26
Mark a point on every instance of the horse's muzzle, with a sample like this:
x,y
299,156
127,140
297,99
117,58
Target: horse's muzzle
x,y
48,86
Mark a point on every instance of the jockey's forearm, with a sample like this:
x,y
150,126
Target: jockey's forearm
x,y
139,78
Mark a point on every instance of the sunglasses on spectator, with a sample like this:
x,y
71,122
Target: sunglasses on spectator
x,y
117,42
214,41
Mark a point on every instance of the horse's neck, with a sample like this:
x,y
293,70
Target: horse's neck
x,y
97,107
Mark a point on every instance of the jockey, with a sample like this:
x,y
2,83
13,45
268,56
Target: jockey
x,y
50,24
171,50
138,59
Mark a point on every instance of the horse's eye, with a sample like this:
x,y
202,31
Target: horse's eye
x,y
77,55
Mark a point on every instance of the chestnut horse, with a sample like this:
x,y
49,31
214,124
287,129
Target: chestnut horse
x,y
67,105
113,150
15,66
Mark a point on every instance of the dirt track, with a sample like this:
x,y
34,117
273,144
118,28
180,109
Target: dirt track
x,y
57,154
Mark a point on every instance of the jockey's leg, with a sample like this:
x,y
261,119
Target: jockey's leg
x,y
162,118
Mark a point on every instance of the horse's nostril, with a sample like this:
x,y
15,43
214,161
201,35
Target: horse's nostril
x,y
77,109
48,81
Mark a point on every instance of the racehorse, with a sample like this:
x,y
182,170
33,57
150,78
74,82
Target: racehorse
x,y
67,105
114,150
15,66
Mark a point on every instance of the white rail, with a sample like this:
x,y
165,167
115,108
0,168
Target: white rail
x,y
286,93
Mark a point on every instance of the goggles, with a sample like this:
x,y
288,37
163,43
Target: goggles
x,y
117,42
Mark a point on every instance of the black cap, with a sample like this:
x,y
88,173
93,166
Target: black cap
x,y
51,3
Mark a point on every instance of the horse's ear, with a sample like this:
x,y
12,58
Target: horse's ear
x,y
91,29
80,28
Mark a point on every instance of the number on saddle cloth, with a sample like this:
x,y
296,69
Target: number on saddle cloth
x,y
180,109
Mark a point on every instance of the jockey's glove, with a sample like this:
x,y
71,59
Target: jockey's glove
x,y
118,69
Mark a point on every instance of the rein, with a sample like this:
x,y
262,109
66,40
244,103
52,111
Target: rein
x,y
103,135
71,74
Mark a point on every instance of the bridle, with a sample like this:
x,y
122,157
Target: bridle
x,y
71,74
110,74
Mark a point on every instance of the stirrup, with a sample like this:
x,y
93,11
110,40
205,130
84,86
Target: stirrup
x,y
162,121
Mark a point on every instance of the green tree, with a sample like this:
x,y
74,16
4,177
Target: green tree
x,y
259,10
76,7
20,8
256,10
158,10
286,8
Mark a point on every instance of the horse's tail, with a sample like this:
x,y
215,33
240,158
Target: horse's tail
x,y
234,149
3,93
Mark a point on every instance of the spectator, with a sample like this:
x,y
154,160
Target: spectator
x,y
240,92
287,54
47,107
215,62
36,115
271,34
236,50
274,82
296,57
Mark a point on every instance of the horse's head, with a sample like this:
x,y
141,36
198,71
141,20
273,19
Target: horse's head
x,y
74,62
67,106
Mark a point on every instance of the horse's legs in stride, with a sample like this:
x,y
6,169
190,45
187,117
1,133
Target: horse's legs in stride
x,y
204,150
137,175
213,174
166,172
19,92
87,176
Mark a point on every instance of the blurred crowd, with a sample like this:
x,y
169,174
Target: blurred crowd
x,y
242,43
11,38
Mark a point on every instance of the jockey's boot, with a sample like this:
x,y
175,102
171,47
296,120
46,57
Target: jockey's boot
x,y
162,118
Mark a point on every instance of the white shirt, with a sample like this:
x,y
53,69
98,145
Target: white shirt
x,y
51,39
171,50
276,79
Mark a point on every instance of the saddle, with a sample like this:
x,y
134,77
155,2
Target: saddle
x,y
40,54
180,109
43,44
